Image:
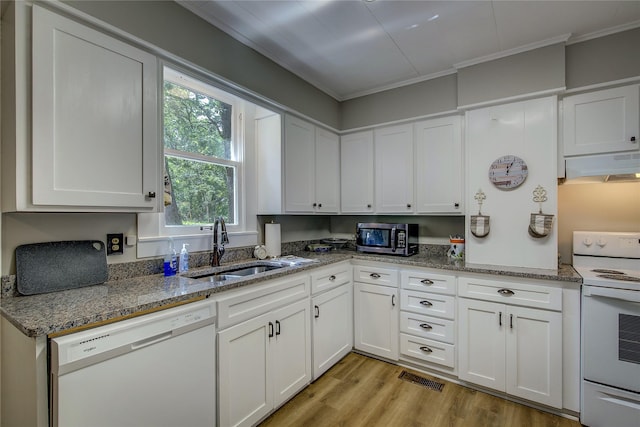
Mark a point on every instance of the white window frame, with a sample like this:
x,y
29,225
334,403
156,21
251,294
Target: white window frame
x,y
153,233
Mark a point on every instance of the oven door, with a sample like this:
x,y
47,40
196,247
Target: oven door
x,y
611,337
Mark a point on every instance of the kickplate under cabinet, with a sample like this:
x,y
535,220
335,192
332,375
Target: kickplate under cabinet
x,y
416,379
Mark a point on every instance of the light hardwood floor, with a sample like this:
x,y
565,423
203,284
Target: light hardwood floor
x,y
361,391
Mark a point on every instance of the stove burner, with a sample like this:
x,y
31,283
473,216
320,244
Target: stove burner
x,y
620,276
603,270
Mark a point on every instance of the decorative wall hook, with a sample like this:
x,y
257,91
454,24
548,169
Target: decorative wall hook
x,y
479,224
540,224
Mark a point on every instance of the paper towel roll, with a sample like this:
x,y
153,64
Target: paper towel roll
x,y
272,239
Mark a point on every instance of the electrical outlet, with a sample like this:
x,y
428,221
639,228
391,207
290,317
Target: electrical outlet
x,y
115,243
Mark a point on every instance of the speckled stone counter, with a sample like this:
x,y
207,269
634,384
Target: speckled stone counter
x,y
55,312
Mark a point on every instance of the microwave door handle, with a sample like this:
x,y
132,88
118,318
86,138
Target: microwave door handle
x,y
393,239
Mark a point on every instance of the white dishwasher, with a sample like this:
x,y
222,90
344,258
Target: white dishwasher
x,y
149,371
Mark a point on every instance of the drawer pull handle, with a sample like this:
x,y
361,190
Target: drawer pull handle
x,y
374,275
332,277
317,311
426,282
506,292
426,349
426,326
426,303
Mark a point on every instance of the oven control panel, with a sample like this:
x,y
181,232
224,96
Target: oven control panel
x,y
609,244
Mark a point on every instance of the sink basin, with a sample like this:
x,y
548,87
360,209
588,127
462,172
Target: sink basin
x,y
248,271
237,272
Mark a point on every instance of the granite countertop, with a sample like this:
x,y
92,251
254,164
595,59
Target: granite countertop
x,y
56,312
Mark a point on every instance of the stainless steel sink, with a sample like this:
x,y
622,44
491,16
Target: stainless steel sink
x,y
237,272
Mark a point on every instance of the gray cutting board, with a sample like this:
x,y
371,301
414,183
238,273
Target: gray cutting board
x,y
55,266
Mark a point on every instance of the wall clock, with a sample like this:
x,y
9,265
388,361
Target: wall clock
x,y
508,172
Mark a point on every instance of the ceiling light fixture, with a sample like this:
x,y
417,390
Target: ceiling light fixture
x,y
434,17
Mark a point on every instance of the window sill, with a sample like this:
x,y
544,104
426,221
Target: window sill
x,y
158,246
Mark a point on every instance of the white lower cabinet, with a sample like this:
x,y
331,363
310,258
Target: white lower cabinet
x,y
427,319
263,362
512,349
331,325
376,319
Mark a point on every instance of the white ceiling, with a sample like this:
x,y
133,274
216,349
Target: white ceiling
x,y
349,48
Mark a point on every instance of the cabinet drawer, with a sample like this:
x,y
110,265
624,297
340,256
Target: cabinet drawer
x,y
247,304
428,303
376,275
329,278
425,281
427,350
427,327
529,295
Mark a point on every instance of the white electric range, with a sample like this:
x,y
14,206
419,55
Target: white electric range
x,y
609,263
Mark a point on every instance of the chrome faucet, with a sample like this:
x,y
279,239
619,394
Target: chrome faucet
x,y
218,250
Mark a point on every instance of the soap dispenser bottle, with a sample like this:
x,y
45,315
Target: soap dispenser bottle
x,y
184,258
170,260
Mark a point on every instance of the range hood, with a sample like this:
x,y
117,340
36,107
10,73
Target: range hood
x,y
618,167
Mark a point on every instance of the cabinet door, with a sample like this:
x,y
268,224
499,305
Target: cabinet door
x,y
244,374
332,336
95,139
534,355
356,172
299,165
376,324
439,166
291,349
394,169
481,343
602,122
327,169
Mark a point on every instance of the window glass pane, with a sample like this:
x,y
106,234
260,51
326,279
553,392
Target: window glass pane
x,y
201,192
196,123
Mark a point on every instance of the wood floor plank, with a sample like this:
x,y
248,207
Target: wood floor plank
x,y
361,391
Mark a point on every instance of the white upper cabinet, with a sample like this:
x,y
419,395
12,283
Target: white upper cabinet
x,y
95,108
327,171
356,171
605,121
439,179
394,169
312,167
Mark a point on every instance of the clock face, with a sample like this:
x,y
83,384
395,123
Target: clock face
x,y
508,172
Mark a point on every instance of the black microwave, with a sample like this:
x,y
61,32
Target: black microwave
x,y
391,239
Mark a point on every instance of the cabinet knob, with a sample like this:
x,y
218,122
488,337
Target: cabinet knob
x,y
315,204
369,206
332,277
633,139
409,205
319,205
151,195
456,205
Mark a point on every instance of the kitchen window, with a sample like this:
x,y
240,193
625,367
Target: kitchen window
x,y
208,164
202,152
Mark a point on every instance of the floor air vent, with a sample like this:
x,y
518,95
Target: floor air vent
x,y
424,382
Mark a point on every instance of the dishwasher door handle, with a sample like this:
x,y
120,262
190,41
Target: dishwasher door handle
x,y
151,340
